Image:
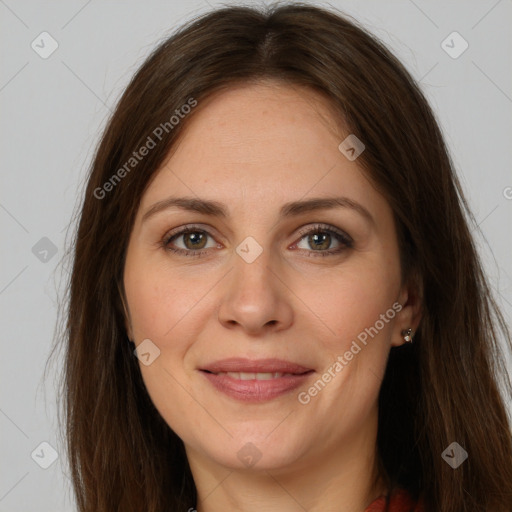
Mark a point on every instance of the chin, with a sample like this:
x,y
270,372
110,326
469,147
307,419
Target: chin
x,y
257,452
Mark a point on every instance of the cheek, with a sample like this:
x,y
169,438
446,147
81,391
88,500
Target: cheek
x,y
158,300
357,316
350,301
159,311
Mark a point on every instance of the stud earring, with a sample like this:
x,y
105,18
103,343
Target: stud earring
x,y
407,334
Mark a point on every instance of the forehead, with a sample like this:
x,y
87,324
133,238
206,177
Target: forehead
x,y
257,144
264,119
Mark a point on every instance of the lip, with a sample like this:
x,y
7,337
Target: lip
x,y
239,364
254,390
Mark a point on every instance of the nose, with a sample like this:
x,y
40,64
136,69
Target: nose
x,y
255,298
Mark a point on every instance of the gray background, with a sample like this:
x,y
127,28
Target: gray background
x,y
54,109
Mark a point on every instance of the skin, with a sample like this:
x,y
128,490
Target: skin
x,y
255,147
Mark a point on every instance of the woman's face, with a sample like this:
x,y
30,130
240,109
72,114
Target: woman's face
x,y
315,292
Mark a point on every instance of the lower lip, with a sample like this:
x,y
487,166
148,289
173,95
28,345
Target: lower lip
x,y
256,390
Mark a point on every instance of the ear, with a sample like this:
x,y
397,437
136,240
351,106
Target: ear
x,y
411,300
126,313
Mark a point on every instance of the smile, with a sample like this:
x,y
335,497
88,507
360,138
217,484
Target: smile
x,y
255,380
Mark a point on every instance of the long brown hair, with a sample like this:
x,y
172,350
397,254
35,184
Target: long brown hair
x,y
443,388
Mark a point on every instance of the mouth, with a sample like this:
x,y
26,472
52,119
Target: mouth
x,y
256,376
255,380
255,366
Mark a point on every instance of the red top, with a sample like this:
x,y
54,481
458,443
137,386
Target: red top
x,y
400,501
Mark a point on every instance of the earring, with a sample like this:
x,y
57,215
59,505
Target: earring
x,y
407,334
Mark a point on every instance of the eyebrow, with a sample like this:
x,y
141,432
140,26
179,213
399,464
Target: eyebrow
x,y
292,209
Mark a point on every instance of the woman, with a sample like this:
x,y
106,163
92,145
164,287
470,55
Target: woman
x,y
275,300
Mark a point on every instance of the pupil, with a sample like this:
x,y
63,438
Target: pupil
x,y
194,238
321,243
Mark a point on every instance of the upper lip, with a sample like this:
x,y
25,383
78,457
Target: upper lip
x,y
239,364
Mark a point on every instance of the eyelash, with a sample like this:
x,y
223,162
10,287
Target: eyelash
x,y
341,237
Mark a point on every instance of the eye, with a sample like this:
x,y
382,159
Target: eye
x,y
193,240
320,237
317,239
